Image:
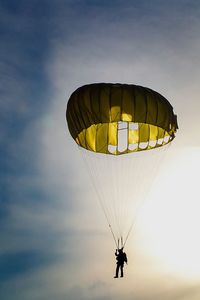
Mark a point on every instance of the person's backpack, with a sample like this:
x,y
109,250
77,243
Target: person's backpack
x,y
125,257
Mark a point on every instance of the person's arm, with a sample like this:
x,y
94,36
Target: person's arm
x,y
126,259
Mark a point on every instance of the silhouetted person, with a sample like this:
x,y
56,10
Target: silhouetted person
x,y
121,259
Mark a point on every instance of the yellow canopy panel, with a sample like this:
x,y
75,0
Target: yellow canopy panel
x,y
120,118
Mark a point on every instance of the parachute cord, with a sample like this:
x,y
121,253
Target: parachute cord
x,y
139,208
113,235
132,225
139,204
98,196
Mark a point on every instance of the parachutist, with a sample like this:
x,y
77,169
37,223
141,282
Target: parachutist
x,y
121,259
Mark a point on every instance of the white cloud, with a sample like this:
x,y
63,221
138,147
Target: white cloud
x,y
134,51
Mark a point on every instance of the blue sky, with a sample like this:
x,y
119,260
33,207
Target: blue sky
x,y
48,248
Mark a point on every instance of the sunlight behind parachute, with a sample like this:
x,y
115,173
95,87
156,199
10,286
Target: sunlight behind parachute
x,y
171,223
121,184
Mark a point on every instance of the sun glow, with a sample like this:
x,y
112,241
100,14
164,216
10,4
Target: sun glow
x,y
171,216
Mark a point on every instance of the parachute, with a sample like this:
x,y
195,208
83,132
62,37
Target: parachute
x,y
109,121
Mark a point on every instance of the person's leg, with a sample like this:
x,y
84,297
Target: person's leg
x,y
122,273
117,271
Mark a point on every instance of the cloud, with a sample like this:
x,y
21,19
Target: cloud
x,y
53,245
160,50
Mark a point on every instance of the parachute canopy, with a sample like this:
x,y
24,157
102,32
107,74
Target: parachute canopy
x,y
120,118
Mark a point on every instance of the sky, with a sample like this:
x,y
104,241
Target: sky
x,y
54,242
